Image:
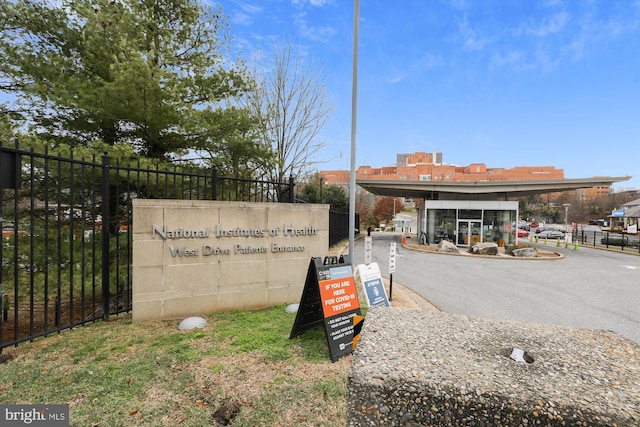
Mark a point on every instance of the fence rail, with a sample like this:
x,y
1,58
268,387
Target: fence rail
x,y
607,239
66,245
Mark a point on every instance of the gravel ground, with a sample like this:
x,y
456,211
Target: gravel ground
x,y
421,367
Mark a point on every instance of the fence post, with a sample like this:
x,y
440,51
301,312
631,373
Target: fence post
x,y
214,180
291,186
58,311
5,307
105,236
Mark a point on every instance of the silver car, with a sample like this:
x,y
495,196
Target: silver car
x,y
551,234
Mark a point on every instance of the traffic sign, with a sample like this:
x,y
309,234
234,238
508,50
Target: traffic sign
x,y
392,258
368,245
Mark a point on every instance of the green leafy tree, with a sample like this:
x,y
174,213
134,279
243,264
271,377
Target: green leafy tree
x,y
316,190
148,73
312,190
337,197
234,145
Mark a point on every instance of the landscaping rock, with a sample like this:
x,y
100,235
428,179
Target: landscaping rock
x,y
292,308
485,248
192,323
448,247
525,253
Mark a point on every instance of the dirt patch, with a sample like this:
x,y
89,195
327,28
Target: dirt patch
x,y
542,254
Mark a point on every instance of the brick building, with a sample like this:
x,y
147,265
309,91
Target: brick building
x,y
422,166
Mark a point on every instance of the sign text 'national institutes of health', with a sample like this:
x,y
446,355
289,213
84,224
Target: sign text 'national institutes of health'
x,y
219,233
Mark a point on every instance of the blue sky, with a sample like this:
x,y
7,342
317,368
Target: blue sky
x,y
502,82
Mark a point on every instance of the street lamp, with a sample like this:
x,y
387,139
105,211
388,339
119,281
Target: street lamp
x,y
566,216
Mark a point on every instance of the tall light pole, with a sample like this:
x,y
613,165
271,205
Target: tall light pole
x,y
354,102
566,216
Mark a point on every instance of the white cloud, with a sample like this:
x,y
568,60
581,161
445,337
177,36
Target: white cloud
x,y
318,3
470,39
430,60
400,76
245,17
315,33
250,8
515,59
459,4
314,3
551,25
241,19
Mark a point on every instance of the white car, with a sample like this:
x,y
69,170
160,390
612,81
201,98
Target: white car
x,y
551,234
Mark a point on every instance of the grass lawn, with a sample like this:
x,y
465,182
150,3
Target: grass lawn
x,y
241,369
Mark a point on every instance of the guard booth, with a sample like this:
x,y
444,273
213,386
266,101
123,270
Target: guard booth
x,y
469,212
467,222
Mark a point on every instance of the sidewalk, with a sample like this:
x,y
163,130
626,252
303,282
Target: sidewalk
x,y
403,297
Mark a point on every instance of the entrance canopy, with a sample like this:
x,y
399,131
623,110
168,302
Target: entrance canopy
x,y
434,190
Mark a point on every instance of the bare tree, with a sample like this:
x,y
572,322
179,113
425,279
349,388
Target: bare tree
x,y
289,99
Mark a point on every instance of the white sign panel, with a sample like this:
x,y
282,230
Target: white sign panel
x,y
392,258
368,244
632,229
373,285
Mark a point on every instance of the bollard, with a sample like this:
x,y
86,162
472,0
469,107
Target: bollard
x,y
557,243
566,244
575,246
545,240
404,240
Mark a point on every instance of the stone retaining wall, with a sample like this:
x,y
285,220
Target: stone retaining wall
x,y
417,367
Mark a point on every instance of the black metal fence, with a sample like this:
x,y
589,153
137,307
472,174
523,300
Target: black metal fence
x,y
339,226
66,232
607,239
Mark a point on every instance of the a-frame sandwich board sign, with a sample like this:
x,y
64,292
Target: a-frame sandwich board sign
x,y
372,285
329,298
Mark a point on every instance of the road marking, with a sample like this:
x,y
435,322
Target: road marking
x,y
630,267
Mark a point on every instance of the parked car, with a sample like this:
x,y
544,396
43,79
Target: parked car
x,y
628,240
523,233
551,234
615,240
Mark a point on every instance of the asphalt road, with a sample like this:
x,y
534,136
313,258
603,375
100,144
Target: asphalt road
x,y
588,288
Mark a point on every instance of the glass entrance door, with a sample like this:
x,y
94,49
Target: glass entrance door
x,y
469,232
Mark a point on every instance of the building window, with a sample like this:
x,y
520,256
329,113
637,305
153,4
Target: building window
x,y
441,224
